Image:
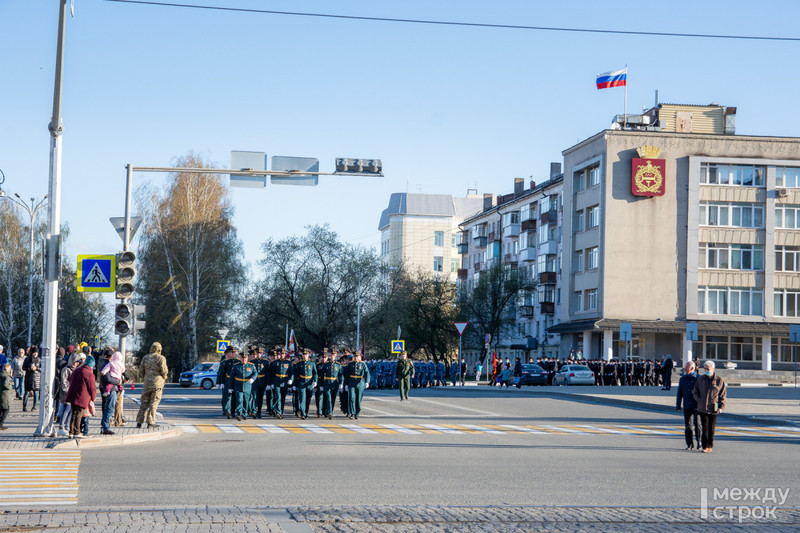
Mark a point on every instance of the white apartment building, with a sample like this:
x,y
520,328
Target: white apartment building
x,y
420,230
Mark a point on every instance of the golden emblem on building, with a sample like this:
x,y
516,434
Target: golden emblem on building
x,y
648,178
647,173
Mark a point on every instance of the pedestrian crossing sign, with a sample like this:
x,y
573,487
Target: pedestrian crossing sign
x,y
398,346
96,273
222,346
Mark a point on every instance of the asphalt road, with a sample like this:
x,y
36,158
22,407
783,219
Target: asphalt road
x,y
435,468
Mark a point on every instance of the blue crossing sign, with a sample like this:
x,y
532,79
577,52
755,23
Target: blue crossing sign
x,y
398,346
222,346
97,273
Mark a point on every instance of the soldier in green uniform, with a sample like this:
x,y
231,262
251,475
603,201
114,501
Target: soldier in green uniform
x,y
155,375
356,380
305,379
404,373
243,375
281,378
330,378
223,374
345,360
260,385
321,360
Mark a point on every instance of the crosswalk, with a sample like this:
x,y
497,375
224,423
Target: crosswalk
x,y
285,428
39,477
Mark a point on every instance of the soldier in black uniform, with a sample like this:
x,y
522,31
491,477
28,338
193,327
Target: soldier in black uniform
x,y
223,374
344,401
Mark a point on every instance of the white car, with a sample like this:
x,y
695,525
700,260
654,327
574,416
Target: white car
x,y
574,375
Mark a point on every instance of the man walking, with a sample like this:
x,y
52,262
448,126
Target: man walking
x,y
155,375
331,383
243,375
223,375
709,392
305,379
666,371
356,380
260,386
280,379
691,420
403,374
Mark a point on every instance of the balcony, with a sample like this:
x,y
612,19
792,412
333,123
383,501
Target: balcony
x,y
527,254
479,241
476,267
547,277
528,225
462,273
493,236
548,248
463,248
526,310
548,308
510,258
548,216
512,230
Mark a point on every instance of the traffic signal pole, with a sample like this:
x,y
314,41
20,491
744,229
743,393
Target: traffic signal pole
x,y
126,241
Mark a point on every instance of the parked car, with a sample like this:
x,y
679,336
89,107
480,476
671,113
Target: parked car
x,y
574,375
532,375
203,375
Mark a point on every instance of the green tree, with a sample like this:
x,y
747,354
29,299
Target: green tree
x,y
190,263
13,276
82,315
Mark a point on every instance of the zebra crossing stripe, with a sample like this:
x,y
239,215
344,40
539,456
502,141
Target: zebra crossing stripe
x,y
208,428
604,430
229,428
643,430
523,429
560,428
272,428
443,429
379,429
401,429
314,428
483,429
39,477
755,431
187,428
357,428
336,428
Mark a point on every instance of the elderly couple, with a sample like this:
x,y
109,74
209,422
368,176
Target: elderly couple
x,y
703,398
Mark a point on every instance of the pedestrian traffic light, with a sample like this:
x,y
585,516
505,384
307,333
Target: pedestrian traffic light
x,y
123,319
359,166
125,274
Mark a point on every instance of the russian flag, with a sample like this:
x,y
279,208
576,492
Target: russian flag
x,y
617,78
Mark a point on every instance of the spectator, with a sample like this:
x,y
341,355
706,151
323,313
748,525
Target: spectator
x,y
478,368
3,358
709,393
81,395
666,372
464,372
6,394
691,420
155,375
76,359
506,376
31,366
111,385
17,373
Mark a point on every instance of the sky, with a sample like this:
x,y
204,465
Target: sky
x,y
445,108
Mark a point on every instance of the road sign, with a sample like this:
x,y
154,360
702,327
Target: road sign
x,y
487,338
460,327
222,346
241,160
299,164
794,333
625,331
398,346
223,333
96,273
119,227
691,331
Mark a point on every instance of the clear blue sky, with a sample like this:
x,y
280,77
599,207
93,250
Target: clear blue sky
x,y
445,108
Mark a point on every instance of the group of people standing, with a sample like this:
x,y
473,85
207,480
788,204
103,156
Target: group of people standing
x,y
702,399
249,380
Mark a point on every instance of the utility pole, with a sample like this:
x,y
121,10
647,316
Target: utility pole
x,y
46,427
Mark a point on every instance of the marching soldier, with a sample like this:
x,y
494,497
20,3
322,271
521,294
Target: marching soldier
x,y
404,373
281,381
223,375
321,359
305,379
243,375
344,400
331,383
260,385
356,380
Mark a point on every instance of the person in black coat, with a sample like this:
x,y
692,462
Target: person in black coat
x,y
666,371
691,418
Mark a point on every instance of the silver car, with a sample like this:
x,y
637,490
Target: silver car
x,y
574,375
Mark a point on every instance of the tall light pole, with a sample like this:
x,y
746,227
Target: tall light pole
x,y
32,209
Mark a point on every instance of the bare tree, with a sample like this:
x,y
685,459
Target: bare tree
x,y
13,275
191,261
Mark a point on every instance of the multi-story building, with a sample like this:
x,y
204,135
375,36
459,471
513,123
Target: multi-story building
x,y
521,230
682,221
420,230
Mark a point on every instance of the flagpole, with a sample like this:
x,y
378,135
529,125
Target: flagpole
x,y
286,342
625,108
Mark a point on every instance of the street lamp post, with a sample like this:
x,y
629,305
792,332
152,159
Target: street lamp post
x,y
31,210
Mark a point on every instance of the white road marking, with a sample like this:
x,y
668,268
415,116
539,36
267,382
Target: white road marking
x,y
566,430
314,428
229,428
486,413
442,429
356,428
643,430
520,428
401,429
188,428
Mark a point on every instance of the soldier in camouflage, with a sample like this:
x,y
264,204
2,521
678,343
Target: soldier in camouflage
x,y
155,375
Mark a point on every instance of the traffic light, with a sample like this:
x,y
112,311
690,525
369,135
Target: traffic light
x,y
123,319
125,274
138,323
359,166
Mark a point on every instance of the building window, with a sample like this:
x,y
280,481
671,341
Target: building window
x,y
738,175
782,350
579,261
594,176
787,258
438,238
579,221
594,216
438,263
730,301
454,265
591,258
787,177
578,181
510,218
735,215
787,303
453,240
590,300
732,256
787,216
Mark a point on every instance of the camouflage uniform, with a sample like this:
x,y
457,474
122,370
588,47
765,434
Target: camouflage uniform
x,y
155,374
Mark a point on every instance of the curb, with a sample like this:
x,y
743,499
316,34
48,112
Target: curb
x,y
99,442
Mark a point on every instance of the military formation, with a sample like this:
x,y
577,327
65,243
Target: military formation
x,y
253,384
645,373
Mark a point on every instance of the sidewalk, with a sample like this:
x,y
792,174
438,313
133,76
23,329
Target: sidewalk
x,y
770,405
22,425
